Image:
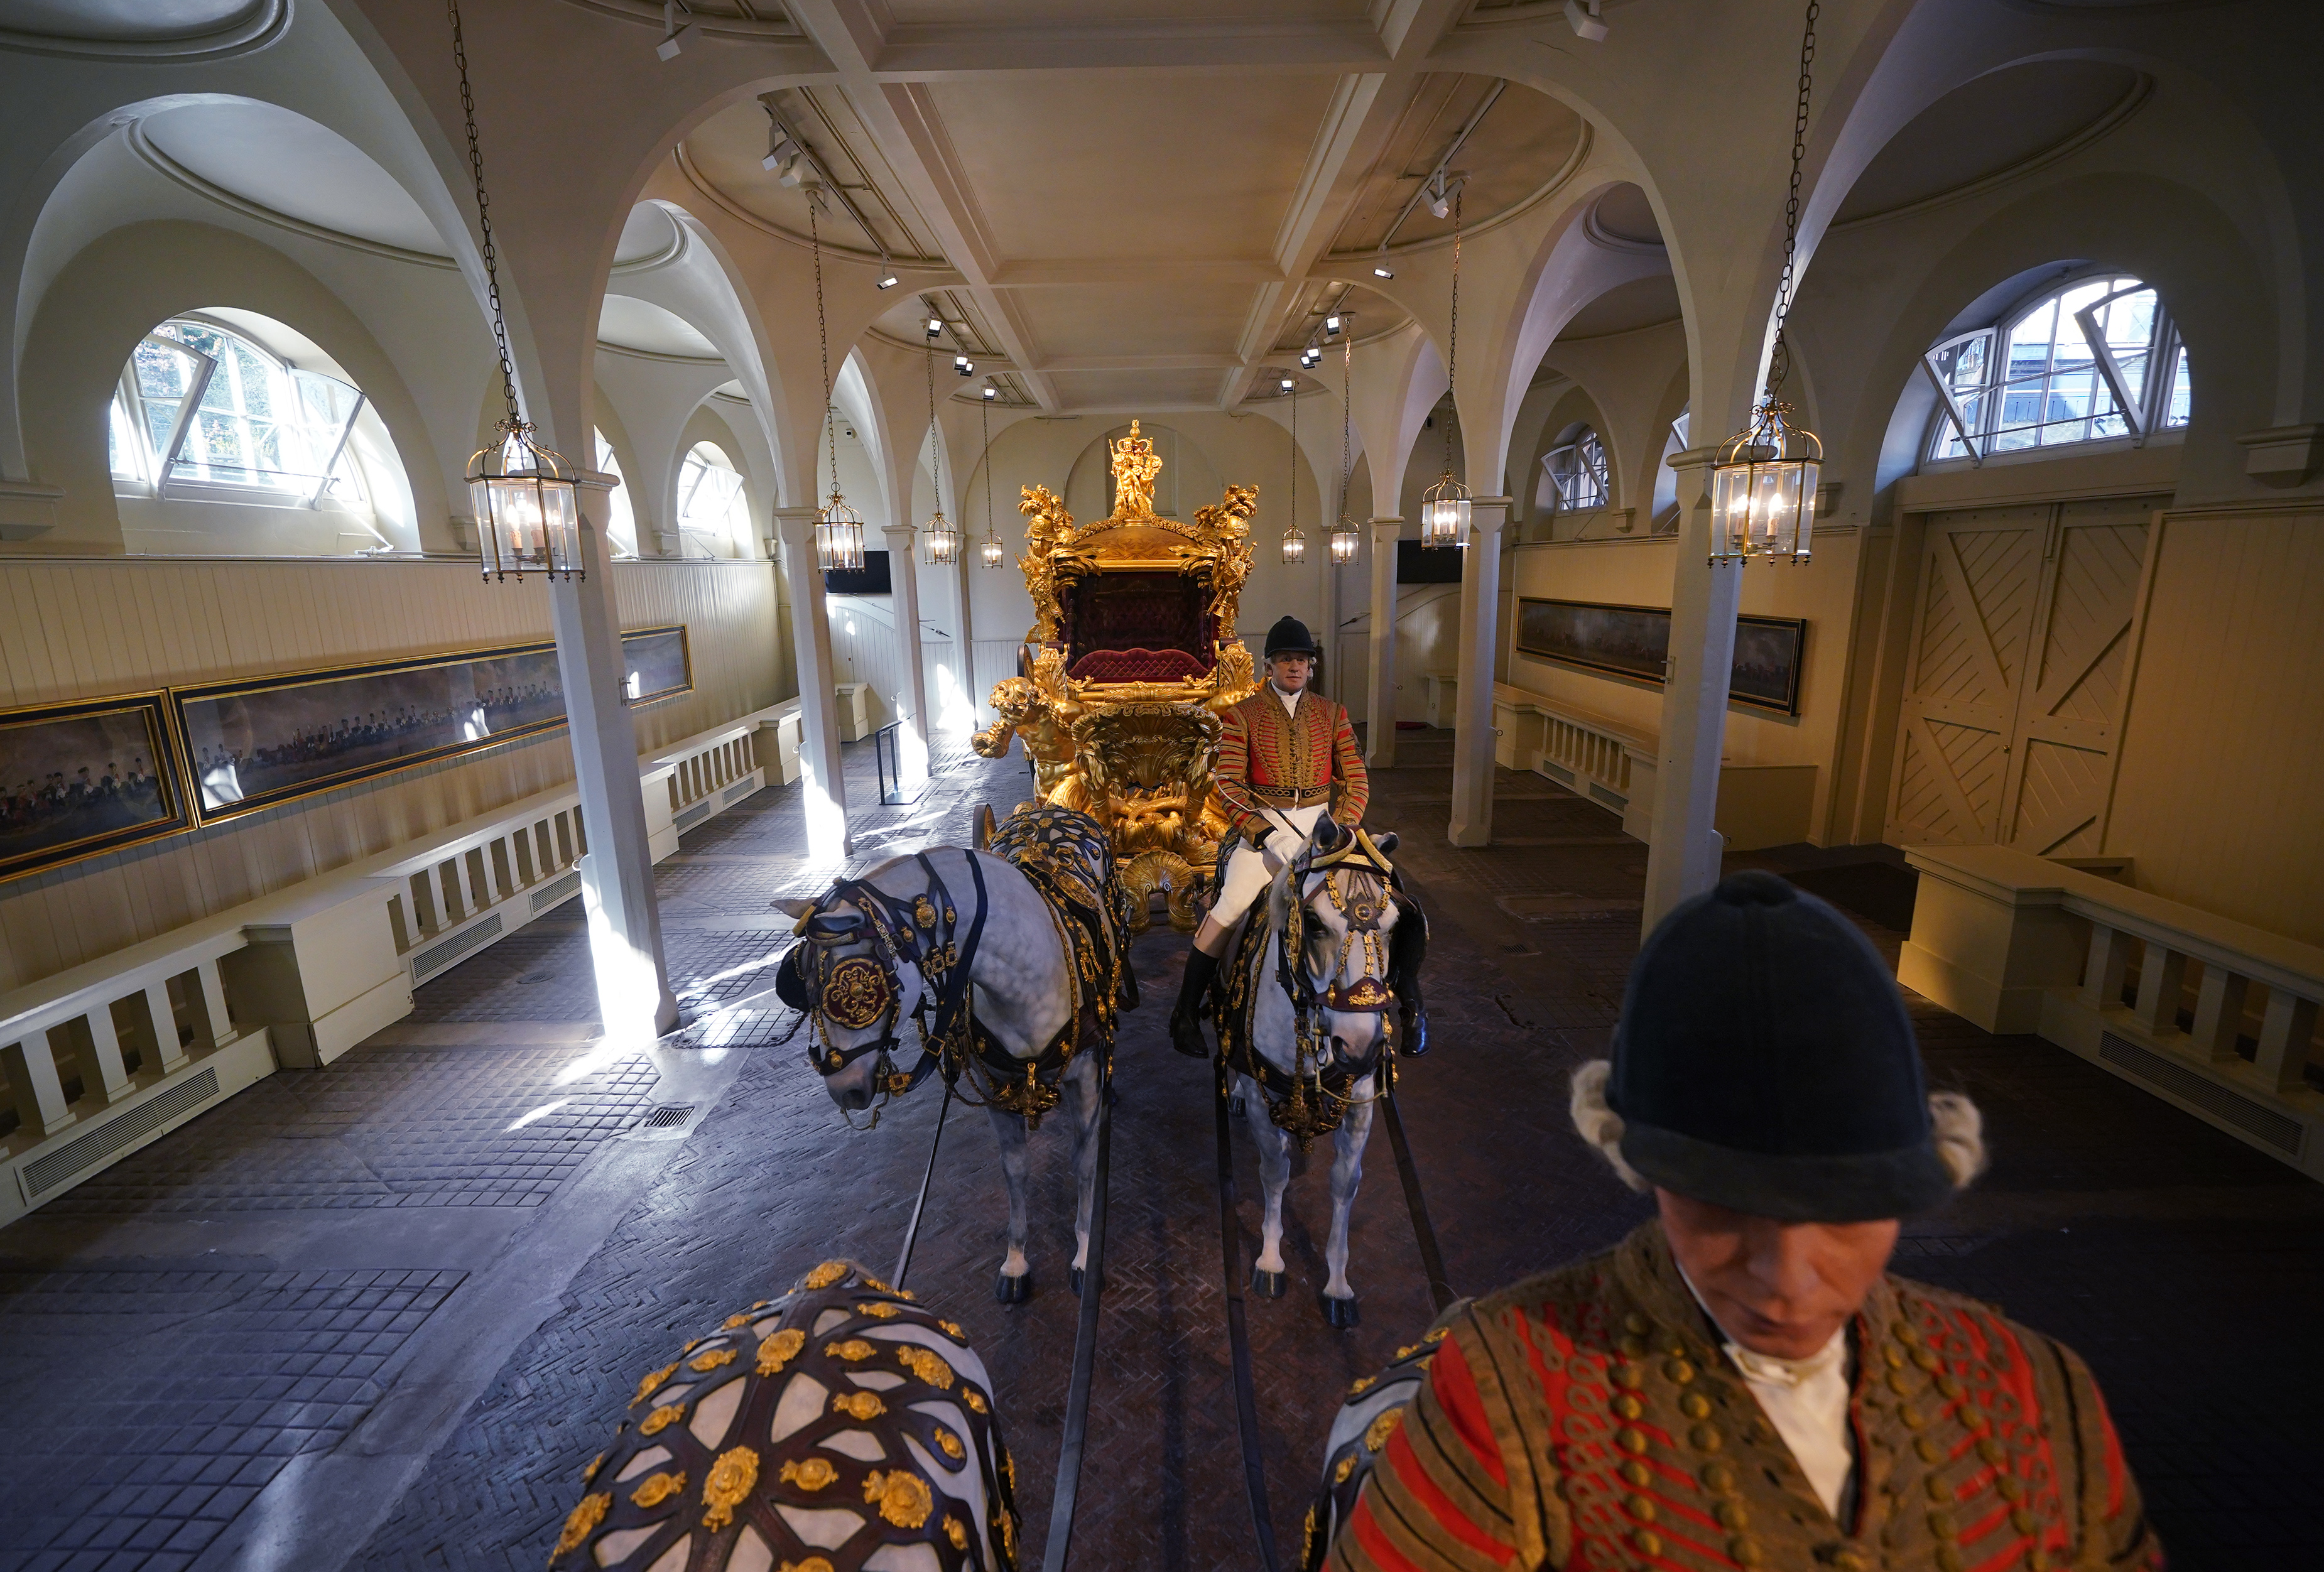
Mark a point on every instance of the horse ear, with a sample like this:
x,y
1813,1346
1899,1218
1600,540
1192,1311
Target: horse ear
x,y
1328,834
1386,843
791,907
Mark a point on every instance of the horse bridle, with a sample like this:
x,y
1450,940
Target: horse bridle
x,y
1369,994
858,992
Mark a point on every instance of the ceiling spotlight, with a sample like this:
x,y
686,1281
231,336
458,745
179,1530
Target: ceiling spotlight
x,y
1582,16
887,276
1382,270
676,38
783,152
991,392
1287,384
936,327
796,171
1332,326
964,366
1440,200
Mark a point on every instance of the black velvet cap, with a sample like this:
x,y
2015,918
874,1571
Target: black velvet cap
x,y
1765,1062
1289,636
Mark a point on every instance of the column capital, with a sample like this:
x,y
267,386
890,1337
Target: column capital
x,y
893,530
793,526
1388,526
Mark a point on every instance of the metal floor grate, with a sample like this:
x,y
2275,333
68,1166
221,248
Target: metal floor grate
x,y
668,1117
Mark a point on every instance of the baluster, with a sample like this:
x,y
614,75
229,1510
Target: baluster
x,y
164,1017
221,1022
2161,980
2285,1035
2219,1013
106,1067
39,1091
2109,962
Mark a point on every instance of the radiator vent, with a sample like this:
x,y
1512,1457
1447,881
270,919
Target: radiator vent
x,y
555,891
739,790
45,1174
1612,799
437,957
668,1117
692,816
2279,1130
1556,772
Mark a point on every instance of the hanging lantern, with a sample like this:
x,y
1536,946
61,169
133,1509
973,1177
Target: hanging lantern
x,y
1763,488
993,549
1445,513
526,507
942,540
838,536
1346,541
1294,544
1295,539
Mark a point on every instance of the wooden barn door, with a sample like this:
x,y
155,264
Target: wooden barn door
x,y
1980,575
2021,649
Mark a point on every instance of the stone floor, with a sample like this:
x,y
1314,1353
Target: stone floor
x,y
250,1381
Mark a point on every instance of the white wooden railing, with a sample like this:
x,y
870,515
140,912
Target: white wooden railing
x,y
2214,1016
1592,755
100,1059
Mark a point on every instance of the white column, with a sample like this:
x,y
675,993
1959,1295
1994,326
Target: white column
x,y
1379,684
912,701
633,996
820,776
1683,851
1480,616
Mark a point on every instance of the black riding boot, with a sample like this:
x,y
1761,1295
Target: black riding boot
x,y
1187,1018
1407,948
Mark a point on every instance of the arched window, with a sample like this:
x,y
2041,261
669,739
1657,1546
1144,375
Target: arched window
x,y
712,518
2094,359
1574,473
620,516
207,414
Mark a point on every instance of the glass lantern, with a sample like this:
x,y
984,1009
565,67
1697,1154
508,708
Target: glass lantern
x,y
838,536
943,541
1294,544
526,508
1763,488
992,549
1445,513
1346,541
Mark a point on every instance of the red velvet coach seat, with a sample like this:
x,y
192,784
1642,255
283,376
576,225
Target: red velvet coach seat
x,y
1136,665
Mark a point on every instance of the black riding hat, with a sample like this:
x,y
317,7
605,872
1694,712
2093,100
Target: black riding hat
x,y
1289,636
1765,1062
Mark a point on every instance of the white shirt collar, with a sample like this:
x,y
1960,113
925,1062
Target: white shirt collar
x,y
1290,701
1806,1400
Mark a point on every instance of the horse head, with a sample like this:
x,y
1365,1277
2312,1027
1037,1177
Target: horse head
x,y
854,988
1340,924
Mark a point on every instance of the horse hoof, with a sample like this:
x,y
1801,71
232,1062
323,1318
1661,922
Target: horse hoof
x,y
1340,1312
1074,1276
1266,1284
1014,1289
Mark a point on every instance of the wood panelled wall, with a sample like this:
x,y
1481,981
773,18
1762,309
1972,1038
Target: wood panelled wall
x,y
2222,763
83,628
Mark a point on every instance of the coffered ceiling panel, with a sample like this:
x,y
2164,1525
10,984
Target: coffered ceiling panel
x,y
1112,166
1135,390
1526,142
1145,320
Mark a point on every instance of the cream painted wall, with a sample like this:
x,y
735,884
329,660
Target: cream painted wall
x,y
2216,792
1638,573
79,628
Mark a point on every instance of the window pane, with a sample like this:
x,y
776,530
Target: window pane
x,y
161,373
2181,403
160,416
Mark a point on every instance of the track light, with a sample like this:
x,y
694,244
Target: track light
x,y
1287,384
964,366
1332,326
676,38
1582,16
887,276
783,152
1439,199
936,327
1382,270
991,392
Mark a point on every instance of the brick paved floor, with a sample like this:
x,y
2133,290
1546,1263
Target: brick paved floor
x,y
2180,1262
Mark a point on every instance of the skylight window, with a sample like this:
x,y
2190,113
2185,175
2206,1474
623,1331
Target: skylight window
x,y
206,414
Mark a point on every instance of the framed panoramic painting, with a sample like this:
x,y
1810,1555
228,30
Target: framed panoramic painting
x,y
660,662
1634,642
85,777
253,743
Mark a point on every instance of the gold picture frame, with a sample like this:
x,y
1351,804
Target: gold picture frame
x,y
85,777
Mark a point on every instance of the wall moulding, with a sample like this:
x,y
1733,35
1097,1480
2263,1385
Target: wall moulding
x,y
231,27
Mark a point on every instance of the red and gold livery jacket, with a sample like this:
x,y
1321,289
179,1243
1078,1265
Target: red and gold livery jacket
x,y
1271,757
1587,1417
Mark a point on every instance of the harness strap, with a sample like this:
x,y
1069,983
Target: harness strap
x,y
1254,1459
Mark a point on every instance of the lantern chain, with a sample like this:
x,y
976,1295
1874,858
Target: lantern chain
x,y
1779,359
984,407
1291,493
936,481
1347,373
1452,338
485,218
822,338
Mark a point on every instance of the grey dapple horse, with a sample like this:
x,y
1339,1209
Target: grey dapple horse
x,y
1304,1028
1012,964
841,1426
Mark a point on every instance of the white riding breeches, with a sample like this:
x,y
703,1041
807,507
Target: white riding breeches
x,y
1247,876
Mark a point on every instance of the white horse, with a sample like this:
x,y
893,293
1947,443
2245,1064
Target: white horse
x,y
842,1420
1307,1039
994,956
